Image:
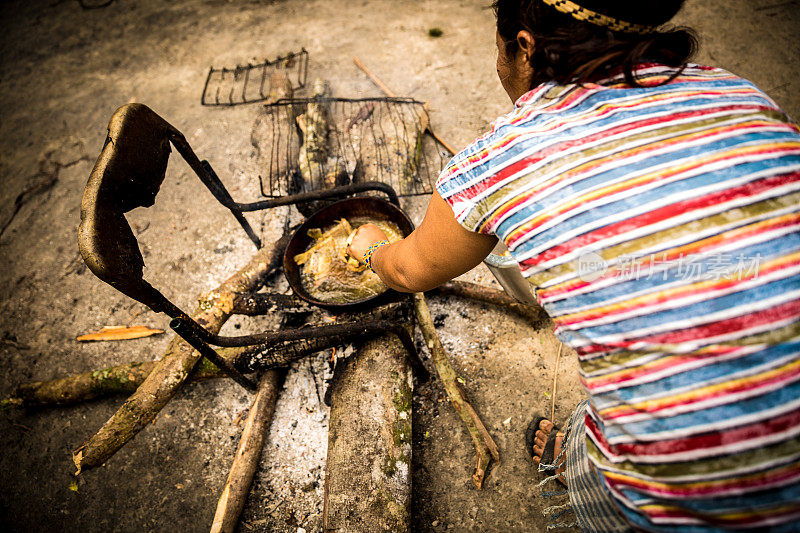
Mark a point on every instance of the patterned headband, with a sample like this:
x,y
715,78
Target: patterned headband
x,y
581,13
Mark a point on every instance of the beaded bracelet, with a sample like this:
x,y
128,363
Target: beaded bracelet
x,y
368,254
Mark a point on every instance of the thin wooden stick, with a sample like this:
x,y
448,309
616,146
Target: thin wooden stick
x,y
485,448
245,462
555,385
388,92
441,141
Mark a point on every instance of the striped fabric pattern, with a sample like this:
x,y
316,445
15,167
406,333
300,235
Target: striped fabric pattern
x,y
593,506
659,228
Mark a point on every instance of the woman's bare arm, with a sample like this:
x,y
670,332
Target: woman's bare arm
x,y
439,250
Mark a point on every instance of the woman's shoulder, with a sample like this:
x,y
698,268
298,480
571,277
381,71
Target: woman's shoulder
x,y
650,75
555,112
691,85
478,153
650,78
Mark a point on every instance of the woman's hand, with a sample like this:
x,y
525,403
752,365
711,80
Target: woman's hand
x,y
438,250
365,236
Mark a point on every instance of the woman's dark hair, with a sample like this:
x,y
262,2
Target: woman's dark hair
x,y
568,50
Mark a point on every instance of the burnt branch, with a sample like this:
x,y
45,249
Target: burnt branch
x,y
264,303
496,297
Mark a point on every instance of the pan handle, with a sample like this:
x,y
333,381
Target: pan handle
x,y
342,190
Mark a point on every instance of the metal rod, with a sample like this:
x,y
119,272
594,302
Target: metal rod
x,y
322,194
205,87
247,228
200,338
283,102
188,334
289,335
219,191
246,80
212,183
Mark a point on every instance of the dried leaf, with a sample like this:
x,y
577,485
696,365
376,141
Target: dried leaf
x,y
73,486
119,333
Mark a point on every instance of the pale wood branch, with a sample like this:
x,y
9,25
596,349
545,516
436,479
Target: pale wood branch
x,y
245,462
485,448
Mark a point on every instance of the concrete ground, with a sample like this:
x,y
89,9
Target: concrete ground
x,y
65,70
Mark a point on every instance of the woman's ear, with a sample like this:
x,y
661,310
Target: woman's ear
x,y
525,44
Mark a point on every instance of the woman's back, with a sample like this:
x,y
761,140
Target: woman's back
x,y
659,226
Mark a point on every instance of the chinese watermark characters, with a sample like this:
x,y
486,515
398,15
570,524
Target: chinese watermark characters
x,y
690,267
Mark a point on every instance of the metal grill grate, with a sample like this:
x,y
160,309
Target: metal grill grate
x,y
245,84
364,139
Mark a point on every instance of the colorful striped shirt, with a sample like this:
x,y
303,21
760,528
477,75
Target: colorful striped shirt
x,y
659,226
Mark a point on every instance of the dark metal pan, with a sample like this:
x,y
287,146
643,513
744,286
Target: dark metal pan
x,y
364,206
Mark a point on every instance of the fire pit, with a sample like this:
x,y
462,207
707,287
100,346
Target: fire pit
x,y
122,180
129,173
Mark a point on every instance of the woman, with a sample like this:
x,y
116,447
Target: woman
x,y
679,185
